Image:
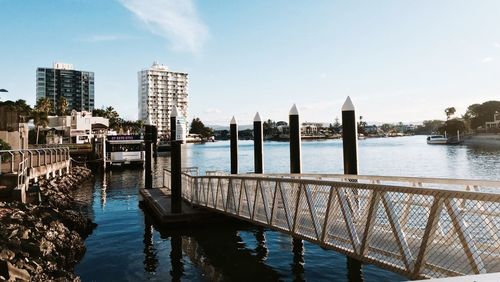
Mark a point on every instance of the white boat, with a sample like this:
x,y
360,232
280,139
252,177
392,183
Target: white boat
x,y
437,139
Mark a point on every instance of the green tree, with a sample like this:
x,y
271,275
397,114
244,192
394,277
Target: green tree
x,y
41,115
62,106
478,114
44,105
452,126
22,109
197,127
449,112
269,128
115,122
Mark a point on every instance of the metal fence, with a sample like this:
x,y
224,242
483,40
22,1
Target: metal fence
x,y
433,229
10,160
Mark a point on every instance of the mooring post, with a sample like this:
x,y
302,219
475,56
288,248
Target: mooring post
x,y
233,132
148,135
350,150
176,160
349,137
258,148
295,167
295,152
258,160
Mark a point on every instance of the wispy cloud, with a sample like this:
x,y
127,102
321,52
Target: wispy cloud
x,y
175,20
106,38
497,44
486,60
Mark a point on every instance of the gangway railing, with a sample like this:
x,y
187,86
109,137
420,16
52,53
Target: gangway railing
x,y
10,159
434,229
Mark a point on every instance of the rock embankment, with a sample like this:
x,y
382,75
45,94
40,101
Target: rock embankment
x,y
44,242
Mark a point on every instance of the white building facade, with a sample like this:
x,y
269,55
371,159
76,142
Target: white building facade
x,y
159,90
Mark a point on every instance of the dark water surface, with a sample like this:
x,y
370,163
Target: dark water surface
x,y
127,246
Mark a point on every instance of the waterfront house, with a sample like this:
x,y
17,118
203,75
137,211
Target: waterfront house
x,y
78,128
495,123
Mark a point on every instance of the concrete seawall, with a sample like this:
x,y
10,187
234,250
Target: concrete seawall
x,y
483,140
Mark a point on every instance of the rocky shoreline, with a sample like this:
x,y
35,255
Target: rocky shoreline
x,y
44,241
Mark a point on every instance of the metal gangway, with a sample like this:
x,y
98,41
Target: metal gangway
x,y
418,227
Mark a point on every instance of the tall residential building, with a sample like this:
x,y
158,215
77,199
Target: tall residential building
x,y
62,80
159,90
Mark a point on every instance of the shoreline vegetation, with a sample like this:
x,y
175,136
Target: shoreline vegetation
x,y
43,241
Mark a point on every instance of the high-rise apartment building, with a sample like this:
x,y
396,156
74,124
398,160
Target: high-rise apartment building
x,y
159,90
62,80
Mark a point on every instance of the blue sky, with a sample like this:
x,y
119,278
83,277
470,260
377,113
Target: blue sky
x,y
398,60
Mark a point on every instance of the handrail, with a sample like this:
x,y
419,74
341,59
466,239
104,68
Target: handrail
x,y
417,231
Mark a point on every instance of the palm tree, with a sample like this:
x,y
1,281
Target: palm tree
x,y
62,106
44,105
449,112
41,114
40,119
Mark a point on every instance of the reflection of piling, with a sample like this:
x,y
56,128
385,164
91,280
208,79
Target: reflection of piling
x,y
150,260
295,167
176,257
258,147
261,250
175,164
350,149
233,132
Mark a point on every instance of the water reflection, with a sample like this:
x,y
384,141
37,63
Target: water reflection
x,y
216,248
354,270
150,259
103,189
261,250
176,257
298,260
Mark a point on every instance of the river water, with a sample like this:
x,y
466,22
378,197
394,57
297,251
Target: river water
x,y
128,246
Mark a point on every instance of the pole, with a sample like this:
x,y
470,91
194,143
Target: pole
x,y
148,171
349,137
258,148
295,152
175,163
295,167
233,132
350,147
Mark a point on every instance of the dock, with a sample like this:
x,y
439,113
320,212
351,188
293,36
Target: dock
x,y
158,201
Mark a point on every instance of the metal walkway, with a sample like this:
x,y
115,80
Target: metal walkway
x,y
419,227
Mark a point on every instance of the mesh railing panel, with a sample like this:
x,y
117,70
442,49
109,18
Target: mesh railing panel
x,y
420,232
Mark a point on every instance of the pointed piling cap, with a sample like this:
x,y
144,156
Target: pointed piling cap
x,y
348,106
294,111
174,112
233,120
257,117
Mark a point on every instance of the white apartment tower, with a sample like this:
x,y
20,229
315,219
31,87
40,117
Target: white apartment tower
x,y
159,90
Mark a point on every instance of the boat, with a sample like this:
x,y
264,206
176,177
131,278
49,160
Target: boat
x,y
125,150
437,139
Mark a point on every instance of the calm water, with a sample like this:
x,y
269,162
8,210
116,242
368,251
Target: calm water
x,y
127,246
